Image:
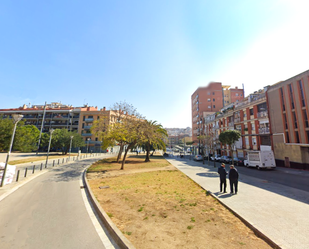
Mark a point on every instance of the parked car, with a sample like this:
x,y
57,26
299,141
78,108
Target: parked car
x,y
198,158
217,158
226,159
239,161
206,157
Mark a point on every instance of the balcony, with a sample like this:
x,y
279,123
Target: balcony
x,y
88,119
95,142
264,130
237,120
87,127
263,114
86,134
231,124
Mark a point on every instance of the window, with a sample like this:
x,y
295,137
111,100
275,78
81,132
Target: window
x,y
291,96
285,121
209,107
295,120
90,116
208,100
251,111
214,106
282,99
213,93
254,140
213,100
302,96
305,116
236,94
253,127
247,140
208,93
307,132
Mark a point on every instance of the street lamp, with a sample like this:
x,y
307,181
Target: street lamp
x,y
87,146
50,138
16,119
70,147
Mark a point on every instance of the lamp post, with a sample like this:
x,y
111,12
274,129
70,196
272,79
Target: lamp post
x,y
70,147
50,138
42,125
16,119
87,146
101,147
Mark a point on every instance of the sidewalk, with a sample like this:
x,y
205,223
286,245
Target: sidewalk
x,y
10,188
280,213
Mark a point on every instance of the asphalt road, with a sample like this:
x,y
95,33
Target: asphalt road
x,y
49,212
289,177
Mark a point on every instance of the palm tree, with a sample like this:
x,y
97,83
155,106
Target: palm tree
x,y
154,137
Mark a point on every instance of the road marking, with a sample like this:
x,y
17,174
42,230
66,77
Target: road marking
x,y
99,227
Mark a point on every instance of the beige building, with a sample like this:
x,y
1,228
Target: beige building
x,y
60,116
288,109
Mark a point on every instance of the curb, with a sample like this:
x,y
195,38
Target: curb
x,y
248,224
112,229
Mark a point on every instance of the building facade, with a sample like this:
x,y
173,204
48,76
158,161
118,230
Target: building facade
x,y
210,99
288,109
60,116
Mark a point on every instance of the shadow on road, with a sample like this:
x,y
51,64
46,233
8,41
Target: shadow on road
x,y
289,192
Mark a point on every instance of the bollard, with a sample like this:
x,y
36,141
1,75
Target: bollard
x,y
63,160
26,172
58,161
41,166
53,163
17,176
33,169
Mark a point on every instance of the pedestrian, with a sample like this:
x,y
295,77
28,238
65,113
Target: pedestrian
x,y
222,172
233,177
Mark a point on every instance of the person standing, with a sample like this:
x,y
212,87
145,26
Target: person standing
x,y
233,177
222,172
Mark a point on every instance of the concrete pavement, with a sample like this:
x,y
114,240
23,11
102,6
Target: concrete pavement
x,y
57,199
280,213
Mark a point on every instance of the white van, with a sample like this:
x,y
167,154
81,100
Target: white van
x,y
263,159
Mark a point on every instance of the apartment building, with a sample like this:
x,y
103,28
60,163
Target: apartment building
x,y
288,109
249,117
210,99
60,116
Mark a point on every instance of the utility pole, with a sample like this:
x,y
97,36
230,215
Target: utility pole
x,y
42,124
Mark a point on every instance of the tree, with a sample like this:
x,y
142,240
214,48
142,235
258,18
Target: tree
x,y
61,140
154,135
207,141
229,137
26,138
6,130
126,131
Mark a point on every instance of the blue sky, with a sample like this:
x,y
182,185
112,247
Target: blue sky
x,y
151,54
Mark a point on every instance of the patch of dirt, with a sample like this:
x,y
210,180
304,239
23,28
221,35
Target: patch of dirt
x,y
163,208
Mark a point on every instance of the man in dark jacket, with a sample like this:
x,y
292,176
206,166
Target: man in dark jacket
x,y
233,177
222,172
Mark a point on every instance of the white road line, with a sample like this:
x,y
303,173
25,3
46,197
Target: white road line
x,y
96,221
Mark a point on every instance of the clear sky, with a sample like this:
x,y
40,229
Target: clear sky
x,y
152,54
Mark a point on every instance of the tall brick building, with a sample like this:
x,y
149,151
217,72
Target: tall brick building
x,y
210,99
